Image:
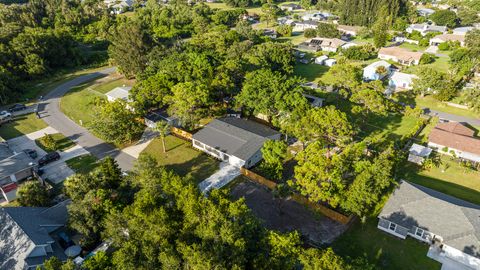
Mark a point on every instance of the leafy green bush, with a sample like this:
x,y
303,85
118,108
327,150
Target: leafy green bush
x,y
310,33
48,142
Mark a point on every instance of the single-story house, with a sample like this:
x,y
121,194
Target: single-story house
x,y
349,45
437,40
425,12
290,7
400,55
322,44
118,6
271,33
330,62
316,16
286,21
370,72
449,225
308,24
401,81
31,235
418,153
462,30
424,28
234,140
121,92
314,101
321,59
457,138
349,30
155,116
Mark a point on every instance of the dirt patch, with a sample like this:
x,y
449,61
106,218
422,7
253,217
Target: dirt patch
x,y
286,215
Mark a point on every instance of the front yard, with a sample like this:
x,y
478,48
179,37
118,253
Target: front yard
x,y
82,164
22,125
182,158
62,143
383,249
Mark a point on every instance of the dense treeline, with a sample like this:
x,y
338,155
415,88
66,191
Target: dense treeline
x,y
367,12
42,36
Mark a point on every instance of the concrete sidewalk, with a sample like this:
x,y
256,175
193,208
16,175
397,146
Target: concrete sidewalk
x,y
145,140
219,179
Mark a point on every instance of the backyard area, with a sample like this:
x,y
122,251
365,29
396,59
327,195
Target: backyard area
x,y
385,250
182,158
450,178
79,103
22,125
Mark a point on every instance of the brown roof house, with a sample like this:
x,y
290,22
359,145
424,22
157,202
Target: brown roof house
x,y
453,137
437,40
400,55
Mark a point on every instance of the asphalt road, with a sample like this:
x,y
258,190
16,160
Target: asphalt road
x,y
456,118
50,112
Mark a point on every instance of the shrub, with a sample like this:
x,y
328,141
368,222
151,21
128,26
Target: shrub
x,y
445,149
427,58
364,52
284,30
444,46
310,33
48,142
424,42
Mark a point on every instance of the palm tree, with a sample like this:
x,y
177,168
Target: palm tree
x,y
163,128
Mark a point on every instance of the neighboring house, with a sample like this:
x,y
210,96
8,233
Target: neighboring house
x,y
400,55
153,117
308,24
424,28
401,81
286,21
290,7
418,153
457,138
349,30
234,140
462,30
322,44
31,235
370,72
271,33
321,59
330,62
119,93
13,168
425,12
118,6
314,101
437,40
316,16
449,225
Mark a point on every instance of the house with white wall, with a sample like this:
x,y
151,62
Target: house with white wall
x,y
454,137
425,28
234,140
450,226
437,40
370,72
401,81
400,55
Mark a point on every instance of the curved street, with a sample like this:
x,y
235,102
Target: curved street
x,y
50,112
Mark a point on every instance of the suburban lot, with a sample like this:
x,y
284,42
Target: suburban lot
x,y
182,158
22,125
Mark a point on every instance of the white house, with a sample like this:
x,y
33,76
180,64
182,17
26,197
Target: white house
x,y
401,81
370,72
118,6
424,28
234,140
425,12
453,137
349,30
290,7
462,30
330,62
119,93
321,59
316,16
450,226
153,117
308,24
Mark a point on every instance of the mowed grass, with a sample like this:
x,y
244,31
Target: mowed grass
x,y
82,164
108,86
392,127
21,125
433,104
384,250
182,158
223,6
453,179
63,143
311,72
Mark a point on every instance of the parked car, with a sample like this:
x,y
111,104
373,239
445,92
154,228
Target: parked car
x,y
17,107
5,117
31,153
48,158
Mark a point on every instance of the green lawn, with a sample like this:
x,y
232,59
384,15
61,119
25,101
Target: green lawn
x,y
392,127
440,64
79,103
452,180
82,164
223,6
182,158
110,85
412,47
383,249
311,72
63,143
22,125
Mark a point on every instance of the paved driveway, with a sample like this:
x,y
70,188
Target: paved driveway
x,y
220,178
49,110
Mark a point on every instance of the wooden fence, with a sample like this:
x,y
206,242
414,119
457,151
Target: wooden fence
x,y
181,133
332,214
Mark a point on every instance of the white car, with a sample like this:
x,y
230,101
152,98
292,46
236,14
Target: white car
x,y
5,117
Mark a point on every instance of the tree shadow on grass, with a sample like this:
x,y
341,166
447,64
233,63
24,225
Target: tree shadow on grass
x,y
198,168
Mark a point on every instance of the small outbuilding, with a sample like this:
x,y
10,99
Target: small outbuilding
x,y
418,153
119,93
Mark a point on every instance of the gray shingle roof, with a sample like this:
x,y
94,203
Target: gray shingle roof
x,y
455,220
5,151
14,164
237,137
